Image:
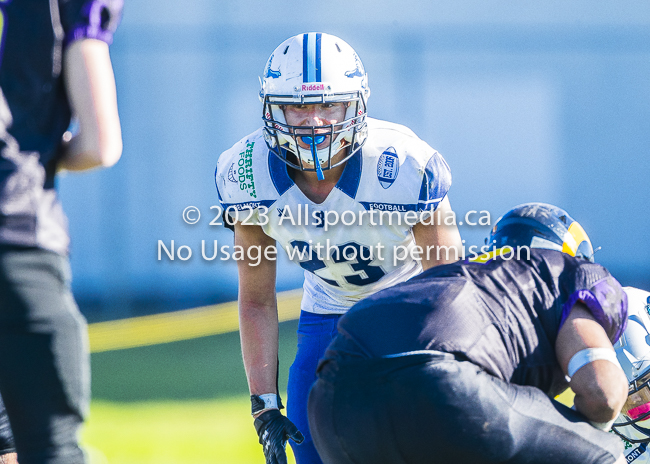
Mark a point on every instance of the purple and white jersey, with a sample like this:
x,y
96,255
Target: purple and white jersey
x,y
358,240
35,112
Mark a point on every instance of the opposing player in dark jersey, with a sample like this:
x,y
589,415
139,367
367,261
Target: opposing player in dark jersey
x,y
54,64
460,363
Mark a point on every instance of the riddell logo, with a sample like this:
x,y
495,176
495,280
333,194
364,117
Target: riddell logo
x,y
312,87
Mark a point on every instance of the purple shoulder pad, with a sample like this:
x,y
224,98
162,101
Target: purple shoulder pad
x,y
607,301
100,19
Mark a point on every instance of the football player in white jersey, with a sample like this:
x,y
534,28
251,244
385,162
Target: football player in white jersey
x,y
348,197
633,353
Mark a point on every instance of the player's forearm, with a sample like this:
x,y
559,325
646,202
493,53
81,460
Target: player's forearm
x,y
448,250
440,242
445,247
258,326
601,389
600,385
90,85
85,152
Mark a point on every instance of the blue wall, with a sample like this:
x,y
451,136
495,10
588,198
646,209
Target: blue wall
x,y
526,103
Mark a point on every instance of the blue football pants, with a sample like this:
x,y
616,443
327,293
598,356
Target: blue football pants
x,y
315,332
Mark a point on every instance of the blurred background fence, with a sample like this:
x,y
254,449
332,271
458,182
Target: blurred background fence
x,y
527,101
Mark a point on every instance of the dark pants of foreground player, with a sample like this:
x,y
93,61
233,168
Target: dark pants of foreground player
x,y
430,408
44,365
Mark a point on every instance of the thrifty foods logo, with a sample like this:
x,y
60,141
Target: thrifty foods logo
x,y
387,167
313,87
245,170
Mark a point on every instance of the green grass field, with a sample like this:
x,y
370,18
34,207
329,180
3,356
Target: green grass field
x,y
172,432
183,402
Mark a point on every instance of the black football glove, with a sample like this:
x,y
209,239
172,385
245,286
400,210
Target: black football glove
x,y
274,430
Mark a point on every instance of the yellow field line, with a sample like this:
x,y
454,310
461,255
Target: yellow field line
x,y
179,325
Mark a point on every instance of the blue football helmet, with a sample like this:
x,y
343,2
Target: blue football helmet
x,y
539,225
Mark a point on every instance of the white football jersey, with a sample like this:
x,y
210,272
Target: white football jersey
x,y
358,240
635,343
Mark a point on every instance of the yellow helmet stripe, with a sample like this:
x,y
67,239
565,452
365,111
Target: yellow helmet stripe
x,y
573,238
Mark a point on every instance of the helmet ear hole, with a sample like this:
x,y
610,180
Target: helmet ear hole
x,y
585,251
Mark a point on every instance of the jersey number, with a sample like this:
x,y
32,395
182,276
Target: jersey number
x,y
358,257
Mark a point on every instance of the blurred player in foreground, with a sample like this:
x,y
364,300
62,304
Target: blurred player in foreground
x,y
316,158
54,64
467,372
633,352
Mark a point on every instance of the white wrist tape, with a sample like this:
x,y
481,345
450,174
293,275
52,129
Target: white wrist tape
x,y
270,400
589,355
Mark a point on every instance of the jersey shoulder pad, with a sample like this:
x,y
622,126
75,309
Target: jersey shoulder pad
x,y
242,174
638,301
90,19
402,169
389,127
596,288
